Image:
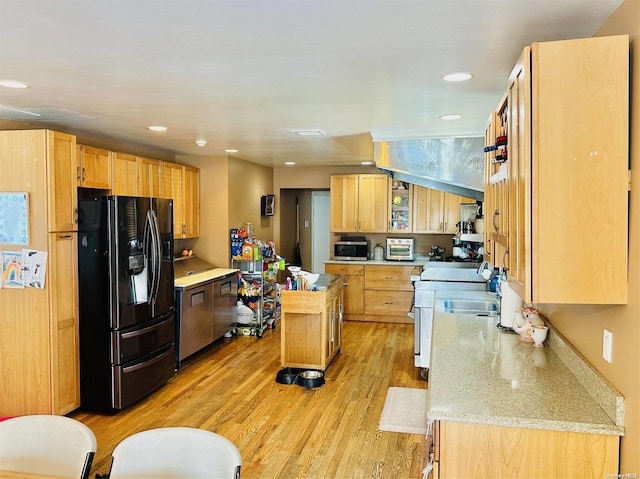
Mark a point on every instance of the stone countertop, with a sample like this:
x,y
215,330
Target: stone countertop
x,y
418,262
203,277
482,375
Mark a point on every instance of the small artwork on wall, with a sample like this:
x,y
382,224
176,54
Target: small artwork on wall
x,y
267,203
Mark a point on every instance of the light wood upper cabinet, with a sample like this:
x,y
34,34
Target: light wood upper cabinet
x,y
359,203
149,184
94,167
182,184
125,174
191,202
62,167
435,211
567,172
400,206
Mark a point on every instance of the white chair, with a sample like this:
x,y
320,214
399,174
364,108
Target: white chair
x,y
46,444
175,453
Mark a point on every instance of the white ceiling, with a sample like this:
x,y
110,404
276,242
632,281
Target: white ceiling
x,y
244,74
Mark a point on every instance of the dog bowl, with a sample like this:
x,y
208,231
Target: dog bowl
x,y
287,375
310,379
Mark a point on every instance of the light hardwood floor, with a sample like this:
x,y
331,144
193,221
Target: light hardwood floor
x,y
286,431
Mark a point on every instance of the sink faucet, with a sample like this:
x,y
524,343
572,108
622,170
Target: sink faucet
x,y
484,265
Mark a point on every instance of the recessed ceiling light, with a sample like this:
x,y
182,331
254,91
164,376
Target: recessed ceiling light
x,y
201,142
309,132
365,163
452,116
231,150
157,128
458,76
289,163
14,84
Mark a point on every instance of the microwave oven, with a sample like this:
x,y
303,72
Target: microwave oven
x,y
352,249
400,249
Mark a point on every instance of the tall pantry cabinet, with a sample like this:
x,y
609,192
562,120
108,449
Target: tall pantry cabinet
x,y
39,340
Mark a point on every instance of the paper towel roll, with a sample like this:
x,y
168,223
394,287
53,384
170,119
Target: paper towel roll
x,y
509,304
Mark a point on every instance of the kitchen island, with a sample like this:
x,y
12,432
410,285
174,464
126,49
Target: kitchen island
x,y
514,409
311,324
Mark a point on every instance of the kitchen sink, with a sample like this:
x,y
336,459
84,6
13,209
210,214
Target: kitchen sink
x,y
472,306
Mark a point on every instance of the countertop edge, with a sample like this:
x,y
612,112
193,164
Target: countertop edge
x,y
564,426
202,277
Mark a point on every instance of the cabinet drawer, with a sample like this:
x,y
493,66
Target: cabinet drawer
x,y
397,278
346,269
396,303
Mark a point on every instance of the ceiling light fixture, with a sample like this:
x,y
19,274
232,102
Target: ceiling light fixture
x,y
289,163
451,116
457,76
157,128
231,150
201,142
309,132
14,84
366,163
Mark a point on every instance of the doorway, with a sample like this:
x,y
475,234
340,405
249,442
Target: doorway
x,y
302,226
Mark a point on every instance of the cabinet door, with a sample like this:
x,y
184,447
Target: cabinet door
x,y
125,174
334,321
192,202
580,170
372,203
149,177
519,202
94,167
353,286
63,301
173,184
62,169
451,211
427,210
400,206
344,203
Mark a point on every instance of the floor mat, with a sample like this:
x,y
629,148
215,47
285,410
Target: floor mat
x,y
405,410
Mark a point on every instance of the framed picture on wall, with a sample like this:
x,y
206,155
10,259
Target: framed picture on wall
x,y
267,205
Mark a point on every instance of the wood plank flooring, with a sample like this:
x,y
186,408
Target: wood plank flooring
x,y
286,431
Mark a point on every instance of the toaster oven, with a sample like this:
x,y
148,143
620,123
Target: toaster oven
x,y
400,249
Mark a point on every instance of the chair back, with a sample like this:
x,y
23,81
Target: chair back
x,y
176,453
47,444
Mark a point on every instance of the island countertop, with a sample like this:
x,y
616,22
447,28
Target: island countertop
x,y
482,375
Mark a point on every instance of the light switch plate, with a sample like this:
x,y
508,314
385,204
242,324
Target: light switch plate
x,y
607,345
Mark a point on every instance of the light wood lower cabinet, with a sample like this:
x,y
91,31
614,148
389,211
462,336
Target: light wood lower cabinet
x,y
63,301
353,286
379,293
479,450
311,327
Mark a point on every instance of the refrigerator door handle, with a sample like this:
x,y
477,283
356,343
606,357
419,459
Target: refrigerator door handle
x,y
156,253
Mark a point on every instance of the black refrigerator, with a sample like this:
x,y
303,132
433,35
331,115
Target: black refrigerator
x,y
126,298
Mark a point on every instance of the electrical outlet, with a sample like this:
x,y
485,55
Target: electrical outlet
x,y
607,345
